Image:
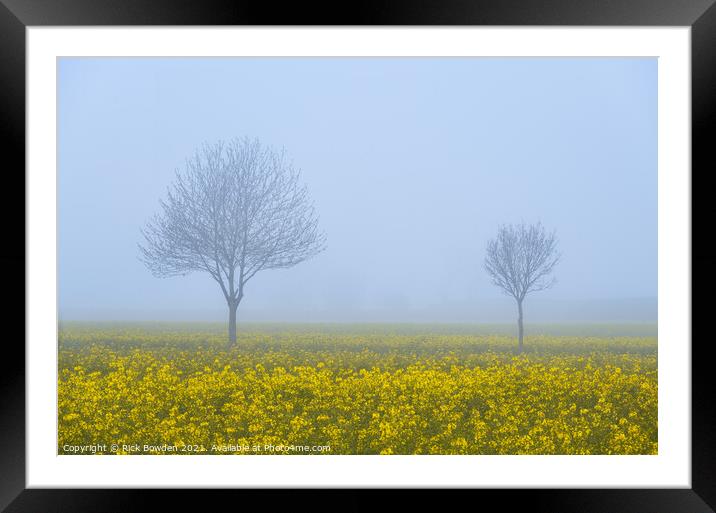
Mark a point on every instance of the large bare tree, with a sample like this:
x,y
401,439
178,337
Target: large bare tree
x,y
520,260
238,208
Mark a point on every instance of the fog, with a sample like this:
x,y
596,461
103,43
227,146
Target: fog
x,y
412,164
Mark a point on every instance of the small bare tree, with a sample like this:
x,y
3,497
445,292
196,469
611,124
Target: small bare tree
x,y
519,261
237,209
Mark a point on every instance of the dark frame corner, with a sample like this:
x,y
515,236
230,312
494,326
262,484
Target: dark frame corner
x,y
16,15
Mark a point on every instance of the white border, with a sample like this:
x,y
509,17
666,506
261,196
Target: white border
x,y
670,468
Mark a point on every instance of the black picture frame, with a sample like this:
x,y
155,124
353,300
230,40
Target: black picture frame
x,y
16,15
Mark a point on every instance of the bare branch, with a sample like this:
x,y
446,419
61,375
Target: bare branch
x,y
237,208
521,259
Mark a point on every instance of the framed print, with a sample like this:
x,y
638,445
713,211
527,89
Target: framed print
x,y
442,248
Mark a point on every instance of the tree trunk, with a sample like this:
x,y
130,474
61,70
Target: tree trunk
x,y
520,328
232,323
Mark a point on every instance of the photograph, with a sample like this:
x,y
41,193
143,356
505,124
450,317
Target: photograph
x,y
357,256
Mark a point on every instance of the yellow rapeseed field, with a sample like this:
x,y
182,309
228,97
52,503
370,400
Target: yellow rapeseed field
x,y
136,390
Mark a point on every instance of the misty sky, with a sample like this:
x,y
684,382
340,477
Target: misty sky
x,y
412,164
